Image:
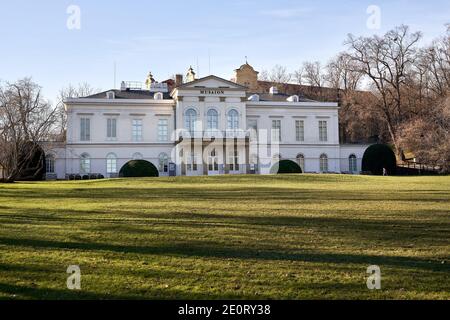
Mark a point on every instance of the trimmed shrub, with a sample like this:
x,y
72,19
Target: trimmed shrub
x,y
100,176
285,166
85,177
93,176
77,177
377,157
138,168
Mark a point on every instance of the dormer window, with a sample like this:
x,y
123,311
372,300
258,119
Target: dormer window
x,y
158,96
110,95
293,98
273,90
253,97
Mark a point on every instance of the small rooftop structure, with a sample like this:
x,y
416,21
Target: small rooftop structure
x,y
139,86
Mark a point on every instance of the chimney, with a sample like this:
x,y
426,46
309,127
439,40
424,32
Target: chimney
x,y
178,80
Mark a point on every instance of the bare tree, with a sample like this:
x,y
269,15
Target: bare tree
x,y
298,75
434,65
82,90
279,74
429,137
386,61
264,75
312,74
342,73
427,133
26,119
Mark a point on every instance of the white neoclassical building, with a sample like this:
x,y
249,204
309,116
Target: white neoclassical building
x,y
203,126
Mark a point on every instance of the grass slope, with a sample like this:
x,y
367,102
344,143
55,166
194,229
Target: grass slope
x,y
259,237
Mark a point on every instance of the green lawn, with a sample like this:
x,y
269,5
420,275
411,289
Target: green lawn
x,y
257,237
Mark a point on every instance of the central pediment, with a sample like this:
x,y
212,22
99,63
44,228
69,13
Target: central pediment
x,y
211,83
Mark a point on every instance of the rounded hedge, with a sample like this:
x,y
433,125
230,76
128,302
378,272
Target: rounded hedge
x,y
377,157
138,168
285,166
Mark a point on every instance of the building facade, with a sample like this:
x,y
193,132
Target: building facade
x,y
204,126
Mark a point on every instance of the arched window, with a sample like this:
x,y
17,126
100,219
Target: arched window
x,y
212,119
85,163
301,161
111,163
352,165
190,119
233,119
323,163
138,156
50,163
163,162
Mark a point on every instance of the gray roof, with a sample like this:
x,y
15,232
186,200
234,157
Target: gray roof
x,y
128,94
279,97
145,94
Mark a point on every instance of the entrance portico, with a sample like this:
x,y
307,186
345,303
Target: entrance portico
x,y
211,116
212,156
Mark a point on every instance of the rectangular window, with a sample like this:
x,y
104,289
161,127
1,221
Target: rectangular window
x,y
85,129
252,127
299,130
163,130
276,130
233,160
137,130
192,162
323,163
213,164
111,128
252,124
323,133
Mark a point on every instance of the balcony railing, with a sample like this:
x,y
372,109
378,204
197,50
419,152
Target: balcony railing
x,y
210,134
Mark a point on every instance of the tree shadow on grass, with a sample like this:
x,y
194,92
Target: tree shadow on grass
x,y
28,292
200,250
396,231
223,193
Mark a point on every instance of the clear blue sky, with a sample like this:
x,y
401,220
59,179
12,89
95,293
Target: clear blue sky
x,y
168,36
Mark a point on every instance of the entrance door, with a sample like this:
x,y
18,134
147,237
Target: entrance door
x,y
233,162
191,165
213,163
